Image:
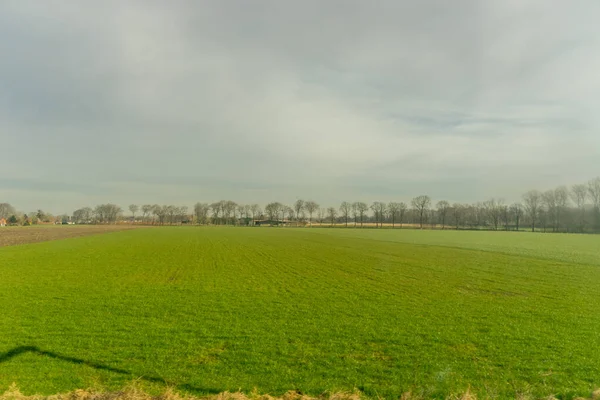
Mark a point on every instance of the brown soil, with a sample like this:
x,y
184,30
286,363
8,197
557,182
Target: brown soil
x,y
10,236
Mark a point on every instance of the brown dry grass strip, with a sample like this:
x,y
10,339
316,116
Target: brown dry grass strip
x,y
11,236
133,393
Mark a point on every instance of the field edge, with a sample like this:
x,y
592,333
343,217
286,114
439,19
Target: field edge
x,y
133,392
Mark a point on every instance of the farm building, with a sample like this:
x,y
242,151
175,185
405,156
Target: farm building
x,y
269,222
2,222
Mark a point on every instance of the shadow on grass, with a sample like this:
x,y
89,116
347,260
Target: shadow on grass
x,y
17,351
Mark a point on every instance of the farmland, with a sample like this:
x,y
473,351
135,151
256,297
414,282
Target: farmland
x,y
204,310
10,236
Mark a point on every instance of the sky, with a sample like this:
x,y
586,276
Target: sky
x,y
179,102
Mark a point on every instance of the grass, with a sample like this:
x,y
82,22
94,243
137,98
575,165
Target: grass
x,y
132,392
207,310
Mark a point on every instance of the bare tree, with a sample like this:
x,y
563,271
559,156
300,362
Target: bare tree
x,y
298,208
504,215
241,209
321,213
432,218
579,195
164,215
146,210
6,210
374,207
379,208
100,214
442,208
355,213
107,213
479,215
458,211
543,218
155,211
216,212
492,210
345,209
230,210
550,209
594,192
171,212
82,215
533,201
402,208
311,207
283,211
517,212
394,210
273,211
561,196
87,215
256,211
421,205
183,214
362,209
332,214
383,211
291,213
201,210
134,208
41,215
549,202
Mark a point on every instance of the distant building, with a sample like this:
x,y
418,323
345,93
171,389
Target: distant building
x,y
279,222
2,222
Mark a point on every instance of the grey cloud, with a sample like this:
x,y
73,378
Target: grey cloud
x,y
152,101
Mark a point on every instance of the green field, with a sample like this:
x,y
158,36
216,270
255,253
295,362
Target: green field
x,y
211,309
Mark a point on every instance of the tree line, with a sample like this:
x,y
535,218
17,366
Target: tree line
x,y
562,209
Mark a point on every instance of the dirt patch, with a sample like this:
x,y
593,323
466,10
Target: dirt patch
x,y
10,236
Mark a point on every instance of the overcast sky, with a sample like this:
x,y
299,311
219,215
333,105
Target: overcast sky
x,y
257,101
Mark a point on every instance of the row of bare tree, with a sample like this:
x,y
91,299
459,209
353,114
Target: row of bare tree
x,y
563,209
